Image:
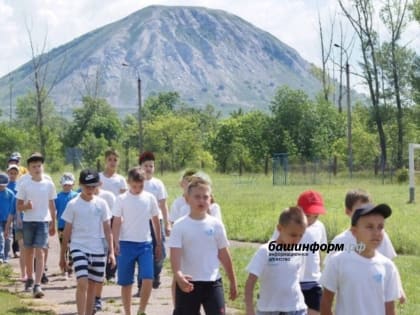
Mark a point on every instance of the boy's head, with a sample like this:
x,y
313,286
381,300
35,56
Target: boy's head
x,y
67,181
355,199
13,172
111,159
4,180
186,178
147,163
14,158
292,225
368,224
35,164
136,179
312,205
199,194
89,181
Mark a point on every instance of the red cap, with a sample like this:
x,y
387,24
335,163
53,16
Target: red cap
x,y
311,202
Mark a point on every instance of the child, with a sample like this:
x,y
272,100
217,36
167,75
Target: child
x,y
35,197
13,173
14,159
133,241
364,282
63,198
86,216
157,188
110,179
176,206
198,245
7,205
278,270
356,199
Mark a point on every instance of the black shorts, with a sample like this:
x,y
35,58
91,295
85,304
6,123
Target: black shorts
x,y
313,297
206,293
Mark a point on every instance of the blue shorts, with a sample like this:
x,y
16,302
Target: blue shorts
x,y
35,234
130,254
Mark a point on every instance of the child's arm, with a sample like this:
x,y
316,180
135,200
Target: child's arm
x,y
226,260
21,205
158,235
108,235
249,294
390,308
7,227
53,210
116,228
163,206
327,301
183,281
64,245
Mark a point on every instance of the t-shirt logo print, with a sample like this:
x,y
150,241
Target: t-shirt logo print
x,y
210,232
378,278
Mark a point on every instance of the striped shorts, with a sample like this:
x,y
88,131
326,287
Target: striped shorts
x,y
91,266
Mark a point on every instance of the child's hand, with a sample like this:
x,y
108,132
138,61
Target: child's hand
x,y
29,205
184,283
111,260
168,229
233,291
51,228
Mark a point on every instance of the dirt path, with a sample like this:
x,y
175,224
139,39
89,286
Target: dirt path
x,y
60,292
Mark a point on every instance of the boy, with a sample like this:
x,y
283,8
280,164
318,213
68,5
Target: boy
x,y
7,205
86,216
157,188
364,282
63,198
198,245
133,241
278,270
180,202
110,179
35,197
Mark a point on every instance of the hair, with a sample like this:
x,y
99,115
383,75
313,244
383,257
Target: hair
x,y
111,151
355,195
293,214
136,174
198,182
146,156
188,174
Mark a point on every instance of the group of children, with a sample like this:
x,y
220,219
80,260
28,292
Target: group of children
x,y
289,275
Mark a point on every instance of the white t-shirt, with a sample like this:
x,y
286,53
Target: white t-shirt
x,y
109,197
214,211
362,285
156,188
114,184
175,211
87,218
27,177
314,233
39,193
135,212
347,238
279,280
200,241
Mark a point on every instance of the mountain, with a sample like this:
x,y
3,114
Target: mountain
x,y
208,56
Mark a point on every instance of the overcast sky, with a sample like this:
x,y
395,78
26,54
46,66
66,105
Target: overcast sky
x,y
294,22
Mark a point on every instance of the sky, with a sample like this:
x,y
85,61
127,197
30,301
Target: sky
x,y
56,22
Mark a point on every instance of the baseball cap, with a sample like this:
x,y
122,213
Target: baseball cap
x,y
13,167
35,157
89,177
311,202
15,156
382,209
67,179
4,179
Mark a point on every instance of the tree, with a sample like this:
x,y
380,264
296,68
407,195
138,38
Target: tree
x,y
393,15
416,10
363,24
161,104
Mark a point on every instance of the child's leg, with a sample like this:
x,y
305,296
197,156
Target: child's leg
x,y
173,287
39,270
81,262
90,296
81,291
214,301
126,298
187,303
2,241
8,244
145,262
29,261
21,258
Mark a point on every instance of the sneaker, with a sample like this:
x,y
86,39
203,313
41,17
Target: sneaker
x,y
44,279
156,282
37,292
98,304
28,284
